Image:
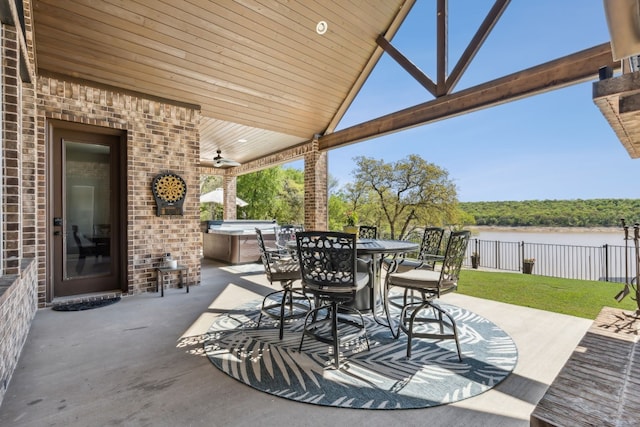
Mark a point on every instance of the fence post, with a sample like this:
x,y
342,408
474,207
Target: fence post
x,y
521,255
606,262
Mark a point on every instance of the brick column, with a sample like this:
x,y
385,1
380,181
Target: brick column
x,y
11,153
315,189
229,186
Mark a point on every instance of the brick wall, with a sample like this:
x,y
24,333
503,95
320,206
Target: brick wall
x,y
161,137
11,150
18,304
18,280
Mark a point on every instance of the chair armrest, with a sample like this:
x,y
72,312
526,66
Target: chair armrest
x,y
273,253
430,260
433,258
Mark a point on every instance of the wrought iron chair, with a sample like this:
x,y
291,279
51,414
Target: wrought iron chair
x,y
328,265
430,285
368,232
293,304
83,250
428,254
284,234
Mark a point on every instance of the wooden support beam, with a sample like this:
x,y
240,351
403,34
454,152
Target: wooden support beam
x,y
409,66
474,45
629,104
571,69
442,19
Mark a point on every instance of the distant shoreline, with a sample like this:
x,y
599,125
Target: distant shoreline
x,y
537,229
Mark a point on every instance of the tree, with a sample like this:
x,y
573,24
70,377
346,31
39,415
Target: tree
x,y
210,210
260,190
290,200
338,205
274,193
405,194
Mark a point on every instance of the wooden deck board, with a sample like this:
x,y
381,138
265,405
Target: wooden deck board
x,y
600,383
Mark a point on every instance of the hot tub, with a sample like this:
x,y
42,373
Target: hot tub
x,y
234,241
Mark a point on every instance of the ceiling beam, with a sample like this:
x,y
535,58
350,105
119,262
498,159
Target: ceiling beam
x,y
444,84
571,69
442,46
409,66
474,45
629,104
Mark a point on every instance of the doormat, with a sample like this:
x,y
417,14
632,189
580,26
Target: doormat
x,y
85,305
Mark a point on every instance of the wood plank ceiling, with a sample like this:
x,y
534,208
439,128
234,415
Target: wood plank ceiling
x,y
263,77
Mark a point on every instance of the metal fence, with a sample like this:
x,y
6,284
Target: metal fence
x,y
605,263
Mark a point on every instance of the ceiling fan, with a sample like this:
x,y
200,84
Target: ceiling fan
x,y
219,161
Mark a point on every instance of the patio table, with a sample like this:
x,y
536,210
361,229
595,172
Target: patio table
x,y
370,298
162,271
377,248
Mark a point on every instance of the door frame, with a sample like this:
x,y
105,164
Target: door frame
x,y
122,229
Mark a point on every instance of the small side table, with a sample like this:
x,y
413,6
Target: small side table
x,y
161,271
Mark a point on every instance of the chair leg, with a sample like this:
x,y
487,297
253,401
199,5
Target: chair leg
x,y
282,308
412,319
354,311
387,313
366,337
261,312
313,313
454,328
334,332
264,301
289,301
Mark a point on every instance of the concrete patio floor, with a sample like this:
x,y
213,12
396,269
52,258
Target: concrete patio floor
x,y
140,363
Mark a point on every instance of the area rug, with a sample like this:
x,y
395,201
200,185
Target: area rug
x,y
85,305
381,378
250,268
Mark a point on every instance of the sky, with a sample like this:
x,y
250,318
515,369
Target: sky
x,y
553,146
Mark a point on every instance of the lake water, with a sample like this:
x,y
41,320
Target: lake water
x,y
559,252
555,236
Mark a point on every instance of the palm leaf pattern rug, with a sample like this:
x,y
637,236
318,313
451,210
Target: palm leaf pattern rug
x,y
381,378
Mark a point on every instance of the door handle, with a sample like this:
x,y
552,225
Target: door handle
x,y
57,233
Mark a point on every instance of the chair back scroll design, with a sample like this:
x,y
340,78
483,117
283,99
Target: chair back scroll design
x,y
427,256
368,232
327,260
453,259
431,241
286,233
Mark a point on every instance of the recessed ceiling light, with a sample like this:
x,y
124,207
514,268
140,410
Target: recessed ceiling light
x,y
321,27
242,140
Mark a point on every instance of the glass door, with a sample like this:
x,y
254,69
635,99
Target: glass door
x,y
86,213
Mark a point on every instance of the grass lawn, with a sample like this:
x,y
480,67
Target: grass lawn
x,y
581,298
